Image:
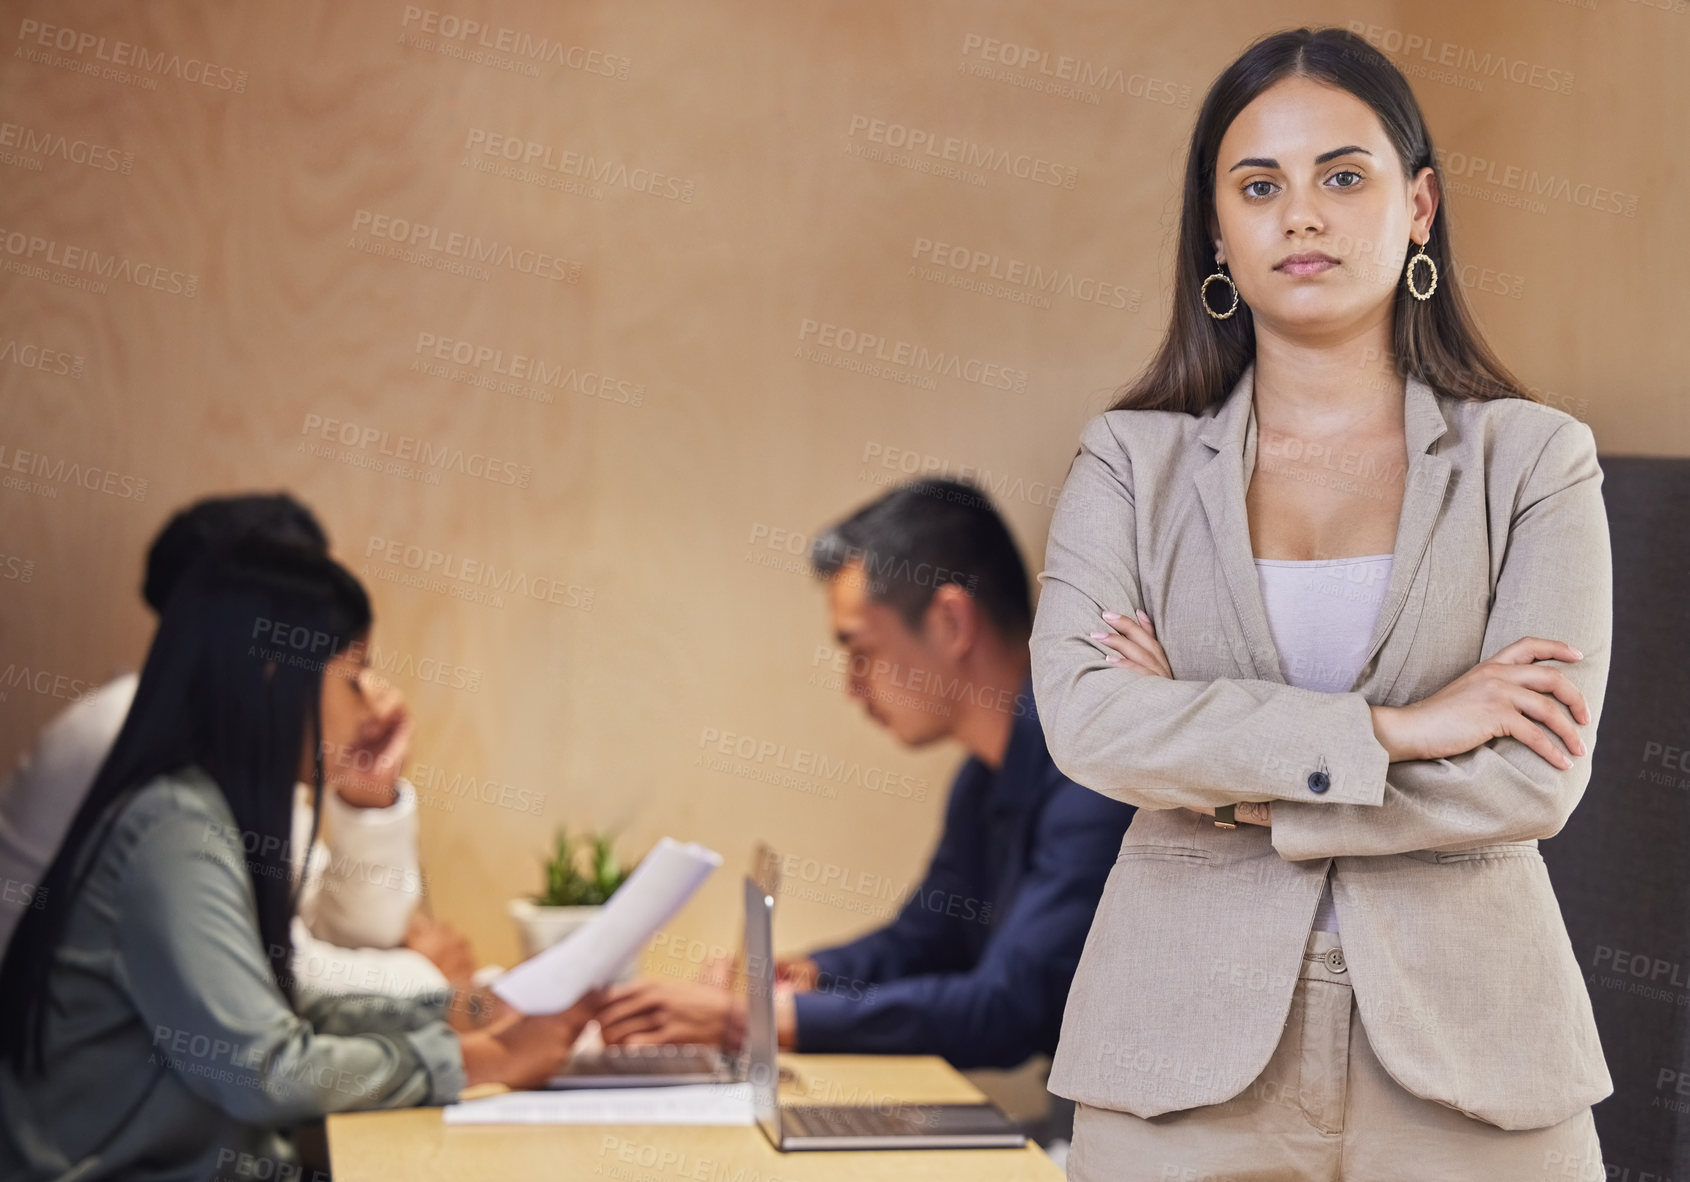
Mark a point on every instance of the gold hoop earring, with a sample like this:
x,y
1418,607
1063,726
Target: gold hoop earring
x,y
1203,293
1408,275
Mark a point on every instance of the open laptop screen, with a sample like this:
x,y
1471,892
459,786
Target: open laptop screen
x,y
763,1066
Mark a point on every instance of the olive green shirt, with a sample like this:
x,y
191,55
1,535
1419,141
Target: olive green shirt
x,y
170,1052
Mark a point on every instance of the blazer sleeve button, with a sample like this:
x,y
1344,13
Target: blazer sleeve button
x,y
1319,781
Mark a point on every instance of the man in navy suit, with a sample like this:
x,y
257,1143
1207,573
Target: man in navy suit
x,y
932,609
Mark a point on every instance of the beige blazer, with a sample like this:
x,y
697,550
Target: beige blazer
x,y
1465,979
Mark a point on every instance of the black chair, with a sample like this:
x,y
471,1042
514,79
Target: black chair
x,y
1621,867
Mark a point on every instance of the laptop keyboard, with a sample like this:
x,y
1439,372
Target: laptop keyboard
x,y
826,1121
655,1060
978,1122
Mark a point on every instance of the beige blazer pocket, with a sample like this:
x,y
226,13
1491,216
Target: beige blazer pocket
x,y
1163,853
1483,853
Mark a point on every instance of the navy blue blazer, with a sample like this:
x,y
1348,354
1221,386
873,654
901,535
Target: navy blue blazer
x,y
977,965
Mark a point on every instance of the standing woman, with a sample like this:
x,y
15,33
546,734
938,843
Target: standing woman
x,y
149,1025
1328,597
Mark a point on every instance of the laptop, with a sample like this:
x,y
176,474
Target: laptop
x,y
644,1067
791,1127
659,1066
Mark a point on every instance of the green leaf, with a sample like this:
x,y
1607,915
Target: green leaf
x,y
567,886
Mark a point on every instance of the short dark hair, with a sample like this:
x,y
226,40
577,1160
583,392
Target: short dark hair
x,y
213,524
923,535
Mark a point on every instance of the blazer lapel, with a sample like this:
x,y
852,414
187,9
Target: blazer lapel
x,y
1224,480
1422,500
1221,484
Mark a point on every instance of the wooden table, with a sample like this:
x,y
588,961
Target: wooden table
x,y
417,1145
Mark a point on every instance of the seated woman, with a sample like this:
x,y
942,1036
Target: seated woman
x,y
358,928
149,1022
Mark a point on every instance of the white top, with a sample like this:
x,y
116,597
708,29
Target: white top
x,y
1321,613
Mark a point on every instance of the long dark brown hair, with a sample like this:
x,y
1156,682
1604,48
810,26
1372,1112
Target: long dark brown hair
x,y
1201,359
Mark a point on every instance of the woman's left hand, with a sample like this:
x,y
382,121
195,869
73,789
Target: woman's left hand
x,y
1134,645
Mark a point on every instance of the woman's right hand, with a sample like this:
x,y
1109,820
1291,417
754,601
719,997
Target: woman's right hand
x,y
443,945
525,1050
1507,695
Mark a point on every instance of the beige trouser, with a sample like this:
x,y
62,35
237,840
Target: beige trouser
x,y
1325,1110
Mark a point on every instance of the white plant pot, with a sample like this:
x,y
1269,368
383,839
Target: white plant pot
x,y
538,928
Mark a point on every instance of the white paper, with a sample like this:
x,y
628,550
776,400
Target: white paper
x,y
594,955
686,1104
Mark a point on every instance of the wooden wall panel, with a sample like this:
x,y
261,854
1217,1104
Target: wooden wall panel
x,y
330,260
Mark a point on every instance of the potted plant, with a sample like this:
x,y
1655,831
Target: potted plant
x,y
580,875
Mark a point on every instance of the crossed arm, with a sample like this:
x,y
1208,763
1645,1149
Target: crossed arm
x,y
1130,730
